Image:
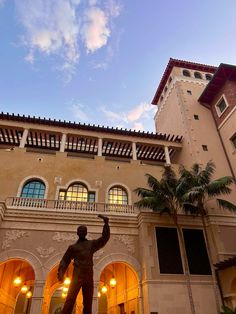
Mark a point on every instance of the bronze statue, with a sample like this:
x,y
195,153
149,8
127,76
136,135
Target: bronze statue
x,y
82,254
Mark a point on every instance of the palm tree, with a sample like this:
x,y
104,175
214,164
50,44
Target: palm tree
x,y
227,310
202,188
167,196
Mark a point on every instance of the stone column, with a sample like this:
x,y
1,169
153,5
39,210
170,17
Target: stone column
x,y
37,299
134,151
24,138
63,143
100,147
167,155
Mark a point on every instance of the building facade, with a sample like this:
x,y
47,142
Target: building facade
x,y
56,175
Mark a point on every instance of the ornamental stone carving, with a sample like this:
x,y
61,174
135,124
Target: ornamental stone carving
x,y
66,236
98,255
127,240
44,253
12,235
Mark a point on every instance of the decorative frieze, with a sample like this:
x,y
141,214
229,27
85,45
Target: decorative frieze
x,y
127,240
66,236
13,235
44,253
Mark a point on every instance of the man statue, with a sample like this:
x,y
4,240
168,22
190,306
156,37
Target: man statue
x,y
82,254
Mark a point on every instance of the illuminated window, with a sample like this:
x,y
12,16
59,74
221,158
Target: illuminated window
x,y
77,192
117,195
33,189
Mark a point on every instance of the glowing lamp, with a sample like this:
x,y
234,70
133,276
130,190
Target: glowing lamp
x,y
17,281
65,289
24,289
113,282
28,294
64,295
67,281
104,289
99,294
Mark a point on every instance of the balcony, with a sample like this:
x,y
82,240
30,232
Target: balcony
x,y
68,206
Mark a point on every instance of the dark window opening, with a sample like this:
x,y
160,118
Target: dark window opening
x,y
170,80
168,251
204,147
208,77
165,90
189,92
186,73
196,117
198,261
197,75
221,105
233,140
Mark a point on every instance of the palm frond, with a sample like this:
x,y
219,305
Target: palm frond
x,y
219,186
143,192
153,183
190,208
226,205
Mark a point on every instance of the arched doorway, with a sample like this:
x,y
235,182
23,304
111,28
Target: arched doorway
x,y
55,293
122,290
16,286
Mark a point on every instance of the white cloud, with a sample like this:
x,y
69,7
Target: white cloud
x,y
62,27
133,118
50,28
113,8
78,112
95,32
139,111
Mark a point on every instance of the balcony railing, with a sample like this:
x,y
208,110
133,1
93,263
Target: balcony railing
x,y
67,206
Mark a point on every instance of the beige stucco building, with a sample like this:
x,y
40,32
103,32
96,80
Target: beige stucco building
x,y
56,175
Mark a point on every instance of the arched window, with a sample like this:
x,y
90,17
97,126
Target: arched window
x,y
77,192
117,195
186,73
208,77
33,189
197,75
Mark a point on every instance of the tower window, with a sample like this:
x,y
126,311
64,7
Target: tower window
x,y
196,117
165,90
221,106
170,80
189,92
208,77
204,147
233,140
197,75
186,73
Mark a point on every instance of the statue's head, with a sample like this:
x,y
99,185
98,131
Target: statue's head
x,y
82,232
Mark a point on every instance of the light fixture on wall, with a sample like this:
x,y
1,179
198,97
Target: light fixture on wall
x,y
113,280
104,288
99,294
64,295
29,294
67,281
18,281
24,289
65,289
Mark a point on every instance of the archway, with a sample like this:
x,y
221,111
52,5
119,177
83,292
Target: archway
x,y
16,286
55,293
122,290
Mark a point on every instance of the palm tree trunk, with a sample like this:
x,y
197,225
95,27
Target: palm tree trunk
x,y
185,264
215,285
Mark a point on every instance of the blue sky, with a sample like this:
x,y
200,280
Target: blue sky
x,y
100,61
